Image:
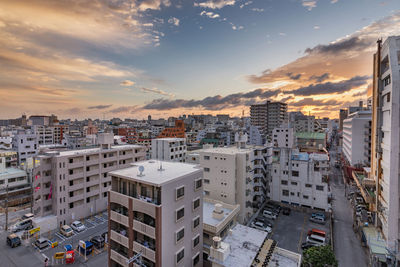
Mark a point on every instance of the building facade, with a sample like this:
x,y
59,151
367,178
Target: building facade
x,y
168,149
268,116
156,210
26,145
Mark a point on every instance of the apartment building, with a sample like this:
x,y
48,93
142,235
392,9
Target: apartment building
x,y
268,116
74,184
26,145
168,149
155,209
59,133
6,142
283,137
10,158
44,134
342,116
308,140
385,145
300,178
357,138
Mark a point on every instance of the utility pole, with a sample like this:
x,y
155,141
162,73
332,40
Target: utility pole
x,y
7,207
30,177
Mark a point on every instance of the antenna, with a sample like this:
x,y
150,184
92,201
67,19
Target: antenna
x,y
141,169
160,169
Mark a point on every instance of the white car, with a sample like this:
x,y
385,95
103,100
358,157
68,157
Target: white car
x,y
260,226
78,226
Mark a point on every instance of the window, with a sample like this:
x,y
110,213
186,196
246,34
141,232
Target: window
x,y
388,97
180,255
293,183
196,241
196,203
285,192
180,234
197,184
206,181
206,157
180,213
295,173
206,193
71,160
71,205
386,80
207,169
305,197
308,185
196,259
284,182
180,192
320,187
196,222
87,168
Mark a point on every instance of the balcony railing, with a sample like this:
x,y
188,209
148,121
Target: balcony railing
x,y
146,251
117,237
117,257
119,218
144,228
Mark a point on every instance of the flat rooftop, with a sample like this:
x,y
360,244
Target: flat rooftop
x,y
310,135
12,171
93,150
152,175
245,243
225,150
208,207
170,139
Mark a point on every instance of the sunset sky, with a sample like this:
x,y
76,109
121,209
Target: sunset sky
x,y
127,59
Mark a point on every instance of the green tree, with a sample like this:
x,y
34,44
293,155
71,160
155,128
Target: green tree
x,y
320,256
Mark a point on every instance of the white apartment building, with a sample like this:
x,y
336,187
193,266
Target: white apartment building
x,y
74,184
26,145
168,149
155,208
45,134
300,178
303,123
283,137
385,166
6,142
60,131
357,138
255,136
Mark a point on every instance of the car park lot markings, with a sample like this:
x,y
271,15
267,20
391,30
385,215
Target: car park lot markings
x,y
60,236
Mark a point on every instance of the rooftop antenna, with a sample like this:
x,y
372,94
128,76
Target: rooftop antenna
x,y
161,168
141,169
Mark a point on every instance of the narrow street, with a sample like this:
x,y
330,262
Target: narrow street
x,y
347,246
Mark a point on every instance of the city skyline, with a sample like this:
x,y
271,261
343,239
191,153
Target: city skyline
x,y
165,58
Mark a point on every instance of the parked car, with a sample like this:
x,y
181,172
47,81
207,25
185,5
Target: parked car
x,y
273,207
317,219
97,241
13,240
27,216
42,243
269,214
78,226
22,225
261,226
316,232
307,245
66,230
318,214
316,239
286,211
265,221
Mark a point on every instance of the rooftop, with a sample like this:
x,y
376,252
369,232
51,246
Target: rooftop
x,y
229,212
171,139
12,171
94,150
310,135
245,242
226,150
153,176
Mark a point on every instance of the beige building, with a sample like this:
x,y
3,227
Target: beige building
x,y
155,210
74,184
268,116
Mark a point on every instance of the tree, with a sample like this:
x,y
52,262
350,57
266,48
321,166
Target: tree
x,y
319,256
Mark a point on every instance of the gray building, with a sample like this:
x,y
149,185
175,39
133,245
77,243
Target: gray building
x,y
26,145
268,116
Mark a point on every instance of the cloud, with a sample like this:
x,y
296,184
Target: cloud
x,y
320,78
245,4
332,88
209,14
309,4
100,107
124,109
214,102
257,9
174,21
363,93
282,34
127,83
215,4
156,91
309,101
355,42
293,76
316,27
334,1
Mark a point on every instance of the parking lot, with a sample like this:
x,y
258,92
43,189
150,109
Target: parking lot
x,y
290,231
29,255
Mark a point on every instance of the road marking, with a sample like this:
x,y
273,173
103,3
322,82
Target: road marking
x,y
60,236
301,235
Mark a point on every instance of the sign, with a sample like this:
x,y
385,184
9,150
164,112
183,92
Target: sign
x,y
54,244
59,255
34,230
82,244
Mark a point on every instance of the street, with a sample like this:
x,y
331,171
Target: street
x,y
347,246
13,217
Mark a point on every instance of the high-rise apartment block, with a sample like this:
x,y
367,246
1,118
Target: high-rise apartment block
x,y
357,138
26,145
268,116
44,134
168,149
74,184
385,145
155,210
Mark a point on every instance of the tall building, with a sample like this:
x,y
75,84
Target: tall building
x,y
169,149
268,116
26,145
357,138
39,120
45,134
156,209
342,116
60,131
74,184
385,138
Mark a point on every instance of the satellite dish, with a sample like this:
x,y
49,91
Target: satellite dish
x,y
141,169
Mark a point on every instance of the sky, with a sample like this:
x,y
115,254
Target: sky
x,y
131,58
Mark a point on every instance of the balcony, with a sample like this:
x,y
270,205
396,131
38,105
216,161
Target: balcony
x,y
119,238
93,171
144,228
146,251
93,192
76,164
115,256
76,197
119,218
93,181
76,175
